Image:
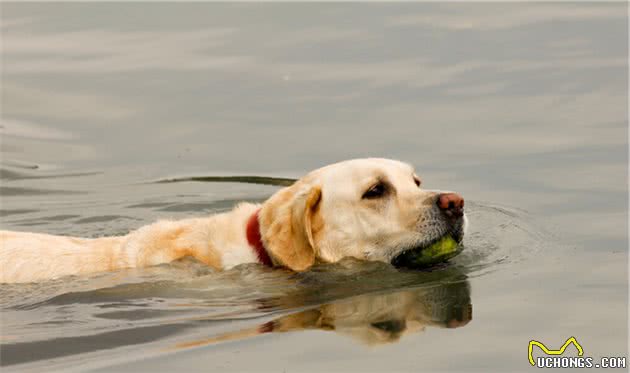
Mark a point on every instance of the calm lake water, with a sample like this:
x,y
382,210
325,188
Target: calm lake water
x,y
521,108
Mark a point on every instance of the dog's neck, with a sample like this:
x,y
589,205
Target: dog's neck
x,y
255,240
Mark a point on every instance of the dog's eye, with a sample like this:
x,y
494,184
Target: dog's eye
x,y
417,181
376,191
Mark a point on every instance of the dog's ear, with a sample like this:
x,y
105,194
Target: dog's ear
x,y
286,225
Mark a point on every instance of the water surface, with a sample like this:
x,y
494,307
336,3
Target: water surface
x,y
521,108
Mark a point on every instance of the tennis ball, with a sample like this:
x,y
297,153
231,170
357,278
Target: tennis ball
x,y
440,251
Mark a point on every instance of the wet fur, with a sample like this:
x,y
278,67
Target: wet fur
x,y
320,218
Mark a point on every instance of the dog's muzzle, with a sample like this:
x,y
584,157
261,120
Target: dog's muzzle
x,y
447,242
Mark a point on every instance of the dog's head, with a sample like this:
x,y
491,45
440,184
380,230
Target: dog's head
x,y
369,209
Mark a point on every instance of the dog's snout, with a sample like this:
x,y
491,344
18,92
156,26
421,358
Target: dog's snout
x,y
451,204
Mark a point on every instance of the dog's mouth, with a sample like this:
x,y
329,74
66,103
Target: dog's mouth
x,y
430,253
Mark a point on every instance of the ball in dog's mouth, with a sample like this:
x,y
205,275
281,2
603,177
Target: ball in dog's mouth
x,y
439,251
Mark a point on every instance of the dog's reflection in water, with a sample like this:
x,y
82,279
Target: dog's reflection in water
x,y
372,318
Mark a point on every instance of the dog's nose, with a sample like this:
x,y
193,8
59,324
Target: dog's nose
x,y
451,204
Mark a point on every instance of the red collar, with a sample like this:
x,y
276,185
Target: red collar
x,y
255,241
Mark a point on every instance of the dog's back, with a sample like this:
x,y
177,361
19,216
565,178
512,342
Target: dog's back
x,y
30,257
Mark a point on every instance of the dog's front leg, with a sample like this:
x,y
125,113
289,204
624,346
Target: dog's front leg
x,y
166,241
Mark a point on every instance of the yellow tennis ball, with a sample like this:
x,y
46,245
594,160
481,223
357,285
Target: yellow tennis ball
x,y
440,251
444,247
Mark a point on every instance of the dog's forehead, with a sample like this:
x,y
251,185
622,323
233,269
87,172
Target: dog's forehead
x,y
357,171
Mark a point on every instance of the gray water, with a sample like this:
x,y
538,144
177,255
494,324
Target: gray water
x,y
521,108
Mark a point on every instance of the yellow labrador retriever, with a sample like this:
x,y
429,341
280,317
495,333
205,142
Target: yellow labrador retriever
x,y
370,209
